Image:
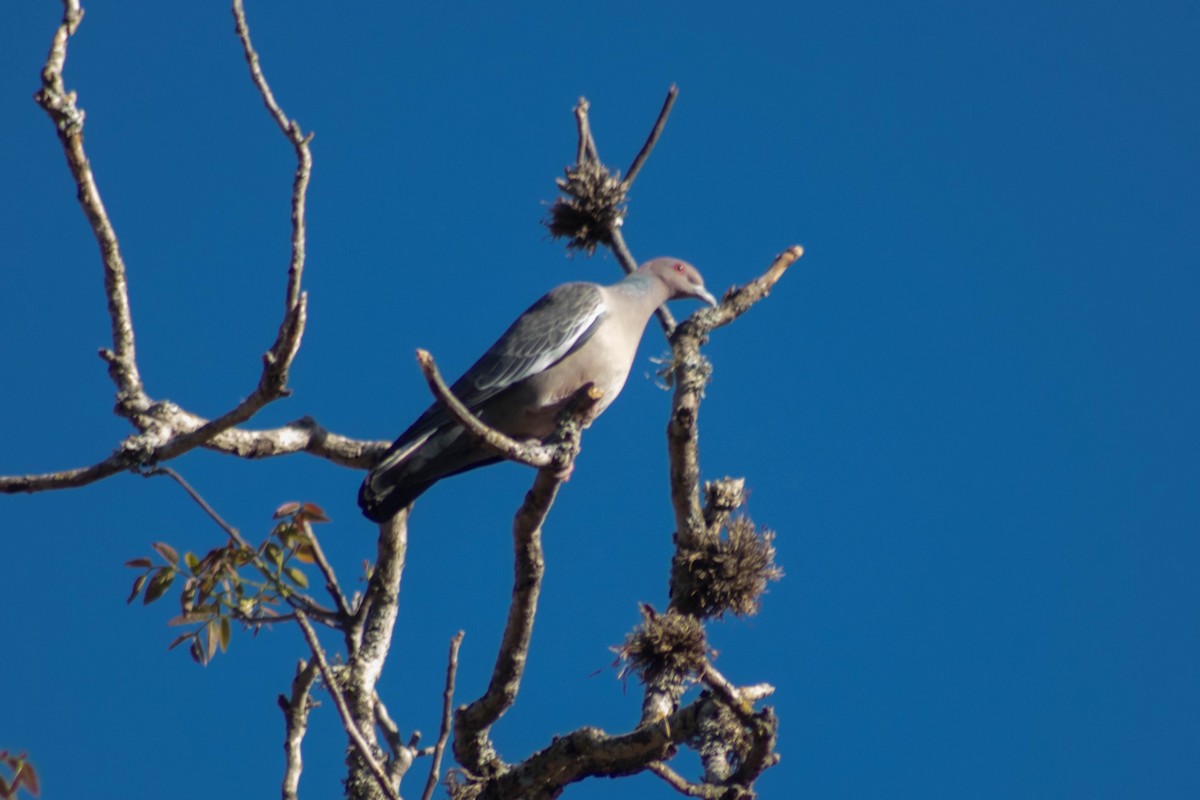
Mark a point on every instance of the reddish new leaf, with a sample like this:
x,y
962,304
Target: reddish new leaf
x,y
314,513
286,510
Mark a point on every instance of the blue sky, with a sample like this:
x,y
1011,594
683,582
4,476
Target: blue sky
x,y
970,411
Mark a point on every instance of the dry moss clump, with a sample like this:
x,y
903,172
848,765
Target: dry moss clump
x,y
725,574
667,647
593,203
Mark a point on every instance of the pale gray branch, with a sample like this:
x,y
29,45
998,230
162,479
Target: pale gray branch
x,y
295,713
447,708
682,785
165,430
472,723
365,751
532,453
68,121
690,372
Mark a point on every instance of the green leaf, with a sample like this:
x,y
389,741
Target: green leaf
x,y
226,633
159,584
138,583
140,563
193,563
212,632
305,554
180,639
298,577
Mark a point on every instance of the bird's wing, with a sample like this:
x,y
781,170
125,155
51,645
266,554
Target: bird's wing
x,y
552,328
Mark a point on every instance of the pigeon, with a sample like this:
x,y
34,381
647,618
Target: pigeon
x,y
576,334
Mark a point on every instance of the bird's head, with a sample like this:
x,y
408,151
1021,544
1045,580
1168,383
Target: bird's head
x,y
680,277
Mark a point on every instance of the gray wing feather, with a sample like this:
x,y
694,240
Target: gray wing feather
x,y
552,328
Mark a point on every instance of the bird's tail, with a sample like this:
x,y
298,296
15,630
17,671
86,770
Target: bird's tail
x,y
407,471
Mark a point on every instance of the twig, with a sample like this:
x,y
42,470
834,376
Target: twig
x,y
529,453
683,785
331,685
295,714
652,139
67,478
165,430
690,374
391,731
68,120
277,361
586,151
304,435
231,531
297,600
472,722
402,754
331,582
447,705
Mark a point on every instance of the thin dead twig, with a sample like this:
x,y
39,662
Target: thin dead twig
x,y
447,707
531,454
690,377
682,784
332,686
68,118
472,723
652,139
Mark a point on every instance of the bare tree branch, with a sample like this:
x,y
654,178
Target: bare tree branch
x,y
295,713
447,706
68,120
531,453
682,785
472,723
368,636
587,156
302,436
165,430
690,374
652,139
365,751
331,582
391,732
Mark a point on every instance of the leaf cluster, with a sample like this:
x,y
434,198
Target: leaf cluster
x,y
23,776
233,582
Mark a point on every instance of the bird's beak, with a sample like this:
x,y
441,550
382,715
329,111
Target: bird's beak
x,y
700,293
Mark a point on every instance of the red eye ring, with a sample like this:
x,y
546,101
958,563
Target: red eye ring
x,y
677,266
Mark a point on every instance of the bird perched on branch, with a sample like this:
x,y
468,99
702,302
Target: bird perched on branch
x,y
578,333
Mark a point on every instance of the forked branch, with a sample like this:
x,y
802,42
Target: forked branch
x,y
166,431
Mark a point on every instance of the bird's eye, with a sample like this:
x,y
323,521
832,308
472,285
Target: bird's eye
x,y
678,266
